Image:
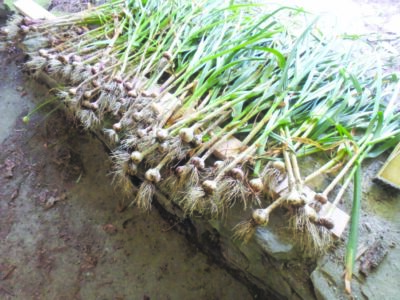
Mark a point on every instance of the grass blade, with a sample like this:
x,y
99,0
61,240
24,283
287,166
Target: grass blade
x,y
353,236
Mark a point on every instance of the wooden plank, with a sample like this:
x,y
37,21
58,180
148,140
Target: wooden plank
x,y
390,172
339,217
32,10
228,149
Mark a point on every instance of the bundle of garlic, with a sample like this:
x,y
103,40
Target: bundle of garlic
x,y
171,82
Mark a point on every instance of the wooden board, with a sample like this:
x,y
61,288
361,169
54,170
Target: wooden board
x,y
390,172
339,217
32,10
228,149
